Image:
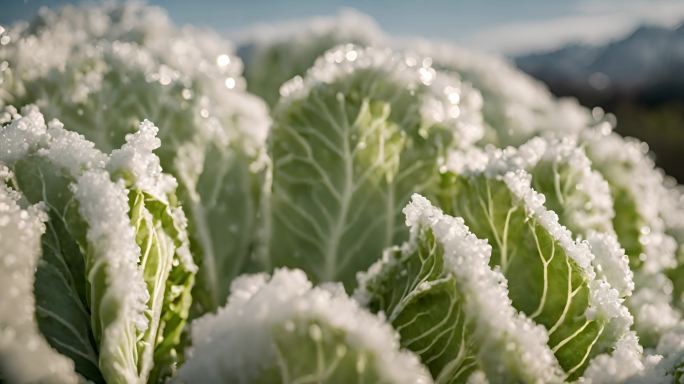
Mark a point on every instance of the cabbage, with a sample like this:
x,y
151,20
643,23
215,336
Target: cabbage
x,y
533,279
350,142
128,63
274,54
113,272
451,307
637,187
583,315
253,339
518,107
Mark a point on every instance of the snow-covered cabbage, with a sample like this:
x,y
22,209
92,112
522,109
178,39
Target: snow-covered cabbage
x,y
103,69
582,312
547,247
516,107
548,277
350,142
104,280
281,329
637,189
451,307
276,53
25,354
519,108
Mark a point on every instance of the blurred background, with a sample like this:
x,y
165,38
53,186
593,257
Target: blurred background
x,y
626,56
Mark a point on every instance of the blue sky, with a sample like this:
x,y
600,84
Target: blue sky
x,y
506,26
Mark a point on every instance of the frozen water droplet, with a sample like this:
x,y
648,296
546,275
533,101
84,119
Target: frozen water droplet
x,y
230,83
597,113
223,60
351,55
453,97
426,75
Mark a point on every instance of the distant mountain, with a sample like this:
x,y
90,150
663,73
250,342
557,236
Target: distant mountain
x,y
639,78
647,67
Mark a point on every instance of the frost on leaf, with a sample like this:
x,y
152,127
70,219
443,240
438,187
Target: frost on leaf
x,y
351,141
551,276
252,339
637,188
517,106
128,63
452,308
160,227
103,287
572,189
276,53
25,354
664,363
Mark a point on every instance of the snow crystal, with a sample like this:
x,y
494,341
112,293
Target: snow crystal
x,y
22,134
612,261
659,366
137,160
70,150
624,362
651,305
